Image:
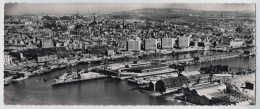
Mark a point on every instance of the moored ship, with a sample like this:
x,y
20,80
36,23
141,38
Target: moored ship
x,y
78,76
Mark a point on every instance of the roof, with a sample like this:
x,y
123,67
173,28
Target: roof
x,y
147,67
174,82
191,73
244,78
222,75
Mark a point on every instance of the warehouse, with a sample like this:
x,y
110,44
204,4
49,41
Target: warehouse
x,y
162,85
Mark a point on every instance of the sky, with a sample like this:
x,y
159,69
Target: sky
x,y
83,8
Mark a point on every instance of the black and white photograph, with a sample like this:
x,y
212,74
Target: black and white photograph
x,y
166,54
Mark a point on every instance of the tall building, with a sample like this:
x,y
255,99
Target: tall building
x,y
150,44
46,43
167,43
184,42
134,45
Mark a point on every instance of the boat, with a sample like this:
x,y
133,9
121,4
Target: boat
x,y
79,76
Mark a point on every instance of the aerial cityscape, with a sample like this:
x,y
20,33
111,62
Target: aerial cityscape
x,y
150,55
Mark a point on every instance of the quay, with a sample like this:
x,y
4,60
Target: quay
x,y
206,58
141,72
78,80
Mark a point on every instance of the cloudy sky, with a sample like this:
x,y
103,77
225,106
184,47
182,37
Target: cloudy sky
x,y
82,8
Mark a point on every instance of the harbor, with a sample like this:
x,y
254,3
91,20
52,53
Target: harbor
x,y
113,68
37,82
129,54
73,77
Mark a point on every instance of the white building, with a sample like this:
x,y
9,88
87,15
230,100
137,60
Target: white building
x,y
133,45
167,43
184,42
150,44
7,59
236,44
110,52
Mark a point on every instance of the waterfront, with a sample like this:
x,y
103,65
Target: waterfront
x,y
96,92
124,54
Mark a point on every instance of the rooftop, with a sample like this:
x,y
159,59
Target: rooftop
x,y
148,67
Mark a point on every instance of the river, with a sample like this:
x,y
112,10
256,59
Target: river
x,y
36,91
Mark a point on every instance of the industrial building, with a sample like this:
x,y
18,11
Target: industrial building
x,y
162,85
147,69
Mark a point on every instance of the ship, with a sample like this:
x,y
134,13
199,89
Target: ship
x,y
72,77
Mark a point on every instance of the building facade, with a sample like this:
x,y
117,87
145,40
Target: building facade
x,y
41,59
110,52
167,43
150,44
184,42
46,43
133,45
48,58
7,59
236,44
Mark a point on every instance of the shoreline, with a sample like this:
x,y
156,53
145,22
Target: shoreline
x,y
188,61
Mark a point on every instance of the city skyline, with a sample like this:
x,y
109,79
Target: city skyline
x,y
77,8
146,54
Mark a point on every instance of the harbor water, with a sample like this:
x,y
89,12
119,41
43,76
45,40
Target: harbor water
x,y
38,91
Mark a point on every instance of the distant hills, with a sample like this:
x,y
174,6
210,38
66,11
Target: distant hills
x,y
178,13
172,13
